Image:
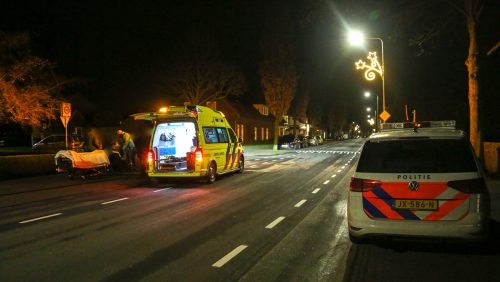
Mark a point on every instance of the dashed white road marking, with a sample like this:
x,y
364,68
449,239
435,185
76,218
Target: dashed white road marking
x,y
229,256
159,190
253,166
326,182
316,190
114,201
265,162
334,175
275,222
300,203
339,170
40,218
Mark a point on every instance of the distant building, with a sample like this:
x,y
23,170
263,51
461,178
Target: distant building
x,y
253,125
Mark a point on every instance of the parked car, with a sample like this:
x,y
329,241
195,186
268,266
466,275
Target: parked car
x,y
319,140
312,141
418,180
286,142
302,141
50,144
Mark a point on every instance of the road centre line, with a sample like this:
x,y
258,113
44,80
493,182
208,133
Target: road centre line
x,y
275,222
316,190
159,190
326,182
300,203
229,256
40,218
117,200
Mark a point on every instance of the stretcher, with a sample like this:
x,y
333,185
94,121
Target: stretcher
x,y
82,164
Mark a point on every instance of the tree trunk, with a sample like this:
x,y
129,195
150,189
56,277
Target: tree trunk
x,y
473,71
276,132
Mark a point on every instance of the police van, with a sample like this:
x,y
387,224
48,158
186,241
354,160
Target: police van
x,y
418,180
192,142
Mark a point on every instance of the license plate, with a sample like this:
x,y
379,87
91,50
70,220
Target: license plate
x,y
429,205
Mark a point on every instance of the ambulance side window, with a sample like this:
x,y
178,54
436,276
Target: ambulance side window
x,y
210,135
223,138
232,135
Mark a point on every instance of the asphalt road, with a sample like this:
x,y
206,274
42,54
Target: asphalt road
x,y
283,219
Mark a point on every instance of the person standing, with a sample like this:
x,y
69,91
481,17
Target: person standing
x,y
128,147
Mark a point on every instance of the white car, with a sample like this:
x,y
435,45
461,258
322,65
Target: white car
x,y
418,180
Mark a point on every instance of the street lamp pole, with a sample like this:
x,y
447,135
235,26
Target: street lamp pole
x,y
383,71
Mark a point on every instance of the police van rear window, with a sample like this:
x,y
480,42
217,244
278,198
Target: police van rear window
x,y
418,155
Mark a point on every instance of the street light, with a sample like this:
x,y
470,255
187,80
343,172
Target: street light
x,y
368,109
357,38
368,95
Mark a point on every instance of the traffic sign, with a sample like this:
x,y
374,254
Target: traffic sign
x,y
65,109
385,116
65,121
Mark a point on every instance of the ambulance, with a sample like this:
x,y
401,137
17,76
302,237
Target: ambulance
x,y
192,142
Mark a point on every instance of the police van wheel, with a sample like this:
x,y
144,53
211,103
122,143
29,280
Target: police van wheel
x,y
357,240
241,165
211,173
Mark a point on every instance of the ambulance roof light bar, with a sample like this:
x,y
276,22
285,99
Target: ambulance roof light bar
x,y
416,125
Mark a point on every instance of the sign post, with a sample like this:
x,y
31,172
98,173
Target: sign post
x,y
65,116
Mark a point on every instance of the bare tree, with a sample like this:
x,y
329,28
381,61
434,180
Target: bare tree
x,y
27,84
472,10
202,76
279,80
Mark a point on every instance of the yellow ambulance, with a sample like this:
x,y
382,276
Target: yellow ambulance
x,y
192,141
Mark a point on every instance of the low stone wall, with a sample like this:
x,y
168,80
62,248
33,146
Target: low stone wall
x,y
26,165
491,151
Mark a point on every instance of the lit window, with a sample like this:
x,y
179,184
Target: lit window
x,y
262,134
267,133
255,133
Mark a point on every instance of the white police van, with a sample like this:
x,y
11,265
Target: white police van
x,y
418,180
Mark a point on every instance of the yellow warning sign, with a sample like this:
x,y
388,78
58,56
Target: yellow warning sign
x,y
384,116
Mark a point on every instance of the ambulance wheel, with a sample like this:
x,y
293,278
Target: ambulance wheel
x,y
211,173
241,165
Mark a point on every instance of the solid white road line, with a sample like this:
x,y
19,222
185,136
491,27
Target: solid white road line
x,y
275,222
326,182
316,190
229,256
300,203
122,199
159,190
40,218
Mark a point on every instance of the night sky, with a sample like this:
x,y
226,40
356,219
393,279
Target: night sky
x,y
120,49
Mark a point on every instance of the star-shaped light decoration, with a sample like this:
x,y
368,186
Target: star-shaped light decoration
x,y
372,68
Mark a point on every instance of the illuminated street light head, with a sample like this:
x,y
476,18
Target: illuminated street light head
x,y
367,94
356,37
368,109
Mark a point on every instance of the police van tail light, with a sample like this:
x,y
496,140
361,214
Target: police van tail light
x,y
198,155
363,185
151,156
469,186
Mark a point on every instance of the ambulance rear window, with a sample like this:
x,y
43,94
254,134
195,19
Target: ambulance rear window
x,y
417,156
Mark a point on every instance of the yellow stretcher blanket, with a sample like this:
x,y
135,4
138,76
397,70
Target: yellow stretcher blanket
x,y
92,159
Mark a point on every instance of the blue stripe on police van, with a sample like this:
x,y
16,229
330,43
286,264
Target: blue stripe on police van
x,y
372,209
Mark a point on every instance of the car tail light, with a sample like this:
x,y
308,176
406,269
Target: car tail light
x,y
151,156
469,186
198,155
363,185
